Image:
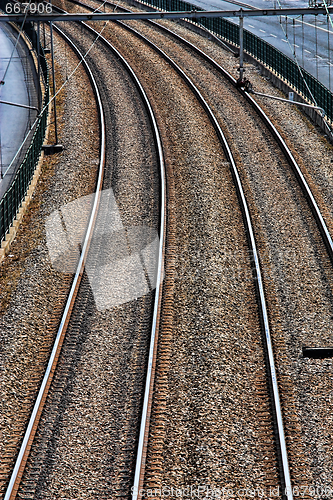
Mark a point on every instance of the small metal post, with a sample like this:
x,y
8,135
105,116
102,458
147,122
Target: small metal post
x,y
241,46
54,86
329,53
38,60
302,41
316,33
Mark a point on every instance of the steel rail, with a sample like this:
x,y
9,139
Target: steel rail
x,y
285,473
286,481
24,451
281,442
327,239
191,14
289,156
146,409
151,365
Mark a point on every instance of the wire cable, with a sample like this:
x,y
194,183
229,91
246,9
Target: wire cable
x,y
328,13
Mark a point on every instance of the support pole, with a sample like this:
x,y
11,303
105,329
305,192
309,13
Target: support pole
x,y
329,54
241,47
54,87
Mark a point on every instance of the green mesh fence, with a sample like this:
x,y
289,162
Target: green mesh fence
x,y
274,59
14,196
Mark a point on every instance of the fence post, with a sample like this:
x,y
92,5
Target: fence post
x,y
241,46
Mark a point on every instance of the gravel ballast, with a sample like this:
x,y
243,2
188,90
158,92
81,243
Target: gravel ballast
x,y
206,429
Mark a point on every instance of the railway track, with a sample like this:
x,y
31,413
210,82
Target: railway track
x,y
30,432
195,288
113,232
300,473
33,292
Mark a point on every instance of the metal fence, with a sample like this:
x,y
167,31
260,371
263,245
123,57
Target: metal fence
x,y
14,196
274,59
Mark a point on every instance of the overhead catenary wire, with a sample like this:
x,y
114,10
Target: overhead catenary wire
x,y
295,58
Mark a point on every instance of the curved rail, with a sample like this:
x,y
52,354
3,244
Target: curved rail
x,y
286,481
48,376
288,154
148,395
